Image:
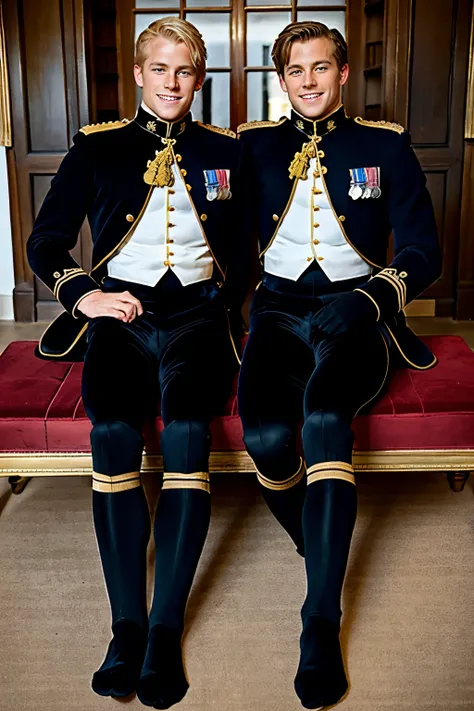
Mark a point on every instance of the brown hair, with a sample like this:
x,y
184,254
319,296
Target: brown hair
x,y
303,32
176,30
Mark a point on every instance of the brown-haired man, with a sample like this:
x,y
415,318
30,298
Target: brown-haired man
x,y
160,195
327,320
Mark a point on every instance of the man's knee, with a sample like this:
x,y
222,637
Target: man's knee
x,y
116,453
185,445
327,436
272,447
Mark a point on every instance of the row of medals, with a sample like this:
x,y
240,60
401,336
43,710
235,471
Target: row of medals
x,y
363,191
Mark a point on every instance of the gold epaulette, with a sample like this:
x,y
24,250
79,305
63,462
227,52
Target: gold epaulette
x,y
259,124
380,124
107,126
218,129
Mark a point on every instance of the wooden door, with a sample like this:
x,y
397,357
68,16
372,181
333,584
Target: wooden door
x,y
47,69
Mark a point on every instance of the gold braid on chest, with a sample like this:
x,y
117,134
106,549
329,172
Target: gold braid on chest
x,y
159,170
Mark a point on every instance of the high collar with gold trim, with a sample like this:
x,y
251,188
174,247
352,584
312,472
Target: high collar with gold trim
x,y
159,127
319,127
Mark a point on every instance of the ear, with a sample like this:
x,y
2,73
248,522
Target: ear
x,y
200,82
282,83
344,74
138,74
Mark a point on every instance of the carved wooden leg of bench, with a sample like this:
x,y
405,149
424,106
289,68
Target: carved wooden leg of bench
x,y
457,480
18,483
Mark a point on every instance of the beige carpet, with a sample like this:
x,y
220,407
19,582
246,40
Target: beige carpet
x,y
409,601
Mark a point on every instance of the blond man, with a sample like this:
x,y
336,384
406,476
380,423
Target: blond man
x,y
153,323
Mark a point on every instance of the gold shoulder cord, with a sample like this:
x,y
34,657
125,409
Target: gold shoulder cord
x,y
159,172
380,124
218,129
260,124
107,126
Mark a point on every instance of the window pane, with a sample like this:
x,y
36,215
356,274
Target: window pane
x,y
143,20
320,2
208,3
265,98
333,20
156,3
268,2
211,104
215,29
262,29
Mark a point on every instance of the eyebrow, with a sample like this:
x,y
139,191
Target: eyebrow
x,y
162,64
315,64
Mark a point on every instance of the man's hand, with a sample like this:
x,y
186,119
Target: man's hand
x,y
348,312
122,306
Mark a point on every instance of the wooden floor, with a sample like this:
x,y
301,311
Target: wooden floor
x,y
11,331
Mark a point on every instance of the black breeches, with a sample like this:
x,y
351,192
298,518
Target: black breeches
x,y
289,378
179,351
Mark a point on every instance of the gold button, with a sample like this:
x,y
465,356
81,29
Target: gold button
x,y
170,241
309,259
321,154
324,169
316,174
316,207
179,158
171,192
316,241
130,218
189,187
171,264
275,218
342,218
170,254
184,172
170,224
317,192
320,259
316,224
56,275
203,217
171,208
166,263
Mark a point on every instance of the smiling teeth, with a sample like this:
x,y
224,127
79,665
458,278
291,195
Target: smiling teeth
x,y
311,96
169,98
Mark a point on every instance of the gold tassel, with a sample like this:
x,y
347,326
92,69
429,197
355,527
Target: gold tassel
x,y
159,171
299,165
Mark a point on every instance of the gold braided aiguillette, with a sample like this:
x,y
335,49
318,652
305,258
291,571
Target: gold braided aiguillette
x,y
159,171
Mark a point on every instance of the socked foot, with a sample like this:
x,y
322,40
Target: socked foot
x,y
119,674
163,682
321,679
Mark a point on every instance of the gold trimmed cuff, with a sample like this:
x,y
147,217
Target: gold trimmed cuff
x,y
396,281
289,483
372,300
92,291
67,276
178,480
114,484
331,470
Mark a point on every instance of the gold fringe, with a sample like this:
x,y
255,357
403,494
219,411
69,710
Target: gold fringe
x,y
380,124
260,124
218,129
107,126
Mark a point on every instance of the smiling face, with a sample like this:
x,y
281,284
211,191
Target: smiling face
x,y
312,79
168,79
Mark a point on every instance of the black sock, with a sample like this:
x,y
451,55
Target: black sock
x,y
286,504
328,520
120,671
180,529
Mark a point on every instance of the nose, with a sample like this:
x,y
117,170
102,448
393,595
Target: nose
x,y
171,81
309,79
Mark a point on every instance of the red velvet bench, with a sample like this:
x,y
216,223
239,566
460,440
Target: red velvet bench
x,y
424,422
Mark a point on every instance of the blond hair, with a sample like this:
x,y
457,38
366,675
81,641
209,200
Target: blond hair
x,y
175,30
303,32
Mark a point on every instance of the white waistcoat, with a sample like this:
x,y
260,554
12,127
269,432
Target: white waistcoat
x,y
310,230
168,236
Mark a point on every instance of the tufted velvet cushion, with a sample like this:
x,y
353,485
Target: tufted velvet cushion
x,y
41,408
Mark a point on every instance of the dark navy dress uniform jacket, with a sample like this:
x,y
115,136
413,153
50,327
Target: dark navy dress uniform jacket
x,y
101,177
403,207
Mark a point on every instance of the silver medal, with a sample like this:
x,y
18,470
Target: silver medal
x,y
356,192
